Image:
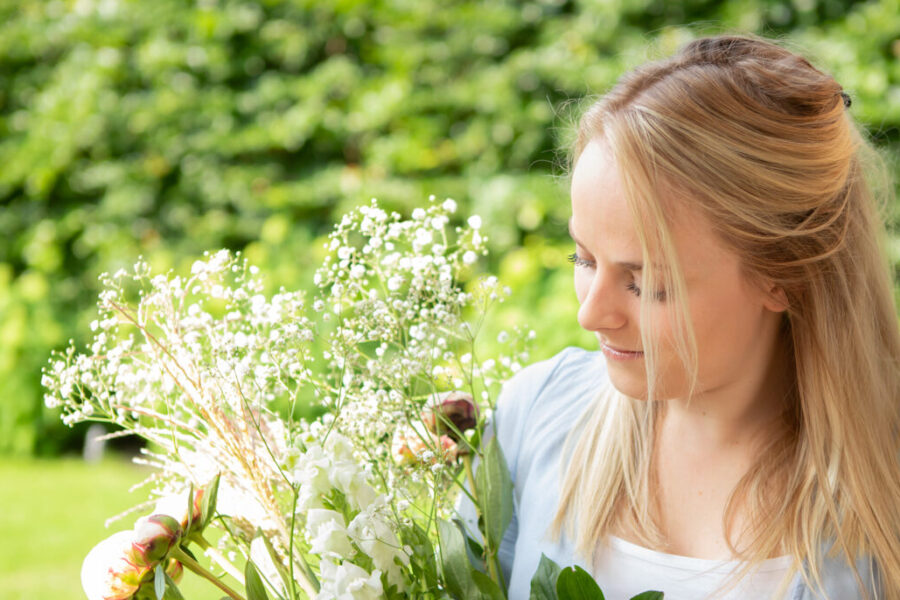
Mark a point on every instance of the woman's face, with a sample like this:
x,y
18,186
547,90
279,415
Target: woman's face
x,y
735,323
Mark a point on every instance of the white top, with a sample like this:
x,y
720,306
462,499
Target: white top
x,y
626,569
535,412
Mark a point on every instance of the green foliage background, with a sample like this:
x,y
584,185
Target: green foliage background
x,y
167,128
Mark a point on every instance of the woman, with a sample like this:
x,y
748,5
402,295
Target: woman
x,y
737,435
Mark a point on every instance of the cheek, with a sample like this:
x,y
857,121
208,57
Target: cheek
x,y
725,332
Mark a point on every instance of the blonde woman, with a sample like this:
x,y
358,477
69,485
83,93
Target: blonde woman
x,y
736,436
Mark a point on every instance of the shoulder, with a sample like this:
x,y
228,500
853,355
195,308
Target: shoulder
x,y
841,579
545,396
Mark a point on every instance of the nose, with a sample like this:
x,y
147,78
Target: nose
x,y
602,304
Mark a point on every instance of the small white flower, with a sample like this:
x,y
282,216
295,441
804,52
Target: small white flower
x,y
348,582
449,205
474,222
469,257
327,533
423,237
374,536
418,214
394,283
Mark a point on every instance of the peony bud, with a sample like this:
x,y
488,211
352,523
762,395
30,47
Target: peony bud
x,y
115,568
455,407
409,448
176,507
108,573
449,449
154,536
174,570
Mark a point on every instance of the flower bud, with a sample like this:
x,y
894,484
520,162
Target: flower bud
x,y
108,573
153,538
454,407
176,507
407,447
449,449
174,570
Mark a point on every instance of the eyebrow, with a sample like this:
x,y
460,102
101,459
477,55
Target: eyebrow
x,y
625,265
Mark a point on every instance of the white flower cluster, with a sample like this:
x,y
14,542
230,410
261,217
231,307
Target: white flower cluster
x,y
210,370
394,288
196,365
347,523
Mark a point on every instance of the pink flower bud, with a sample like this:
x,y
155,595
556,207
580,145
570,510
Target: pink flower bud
x,y
115,568
409,447
153,538
454,407
449,449
108,572
176,507
174,570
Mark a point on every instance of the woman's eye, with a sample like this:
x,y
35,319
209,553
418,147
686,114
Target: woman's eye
x,y
580,262
659,296
632,285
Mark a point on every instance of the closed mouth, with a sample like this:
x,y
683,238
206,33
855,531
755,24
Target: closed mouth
x,y
620,352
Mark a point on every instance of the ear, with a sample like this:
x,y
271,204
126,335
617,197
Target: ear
x,y
774,297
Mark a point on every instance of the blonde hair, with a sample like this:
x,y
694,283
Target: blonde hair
x,y
760,142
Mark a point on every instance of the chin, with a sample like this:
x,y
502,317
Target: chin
x,y
628,384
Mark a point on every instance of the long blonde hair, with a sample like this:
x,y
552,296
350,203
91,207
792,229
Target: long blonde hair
x,y
762,144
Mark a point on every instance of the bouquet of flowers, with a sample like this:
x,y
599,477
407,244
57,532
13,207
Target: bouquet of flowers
x,y
357,502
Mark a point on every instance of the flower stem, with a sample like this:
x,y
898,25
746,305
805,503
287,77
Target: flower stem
x,y
191,564
491,558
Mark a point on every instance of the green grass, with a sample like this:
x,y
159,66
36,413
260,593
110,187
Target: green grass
x,y
52,513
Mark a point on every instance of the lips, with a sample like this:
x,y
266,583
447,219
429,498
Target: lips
x,y
620,353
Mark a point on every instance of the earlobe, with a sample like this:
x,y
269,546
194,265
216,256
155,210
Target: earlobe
x,y
775,299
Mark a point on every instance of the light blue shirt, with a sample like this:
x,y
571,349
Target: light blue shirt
x,y
535,412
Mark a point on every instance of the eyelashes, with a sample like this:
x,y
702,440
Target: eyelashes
x,y
632,286
579,262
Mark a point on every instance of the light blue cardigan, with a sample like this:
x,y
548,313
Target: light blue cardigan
x,y
535,412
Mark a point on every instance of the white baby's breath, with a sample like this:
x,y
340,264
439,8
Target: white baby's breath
x,y
211,369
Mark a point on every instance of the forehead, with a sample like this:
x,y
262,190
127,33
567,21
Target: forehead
x,y
600,213
603,222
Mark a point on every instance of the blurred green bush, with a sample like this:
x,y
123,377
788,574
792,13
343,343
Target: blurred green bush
x,y
166,128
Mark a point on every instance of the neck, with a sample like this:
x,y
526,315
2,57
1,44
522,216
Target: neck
x,y
743,413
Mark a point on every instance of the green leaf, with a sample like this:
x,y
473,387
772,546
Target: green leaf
x,y
208,505
454,563
487,586
495,490
574,583
159,582
423,554
649,595
253,583
172,591
543,584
